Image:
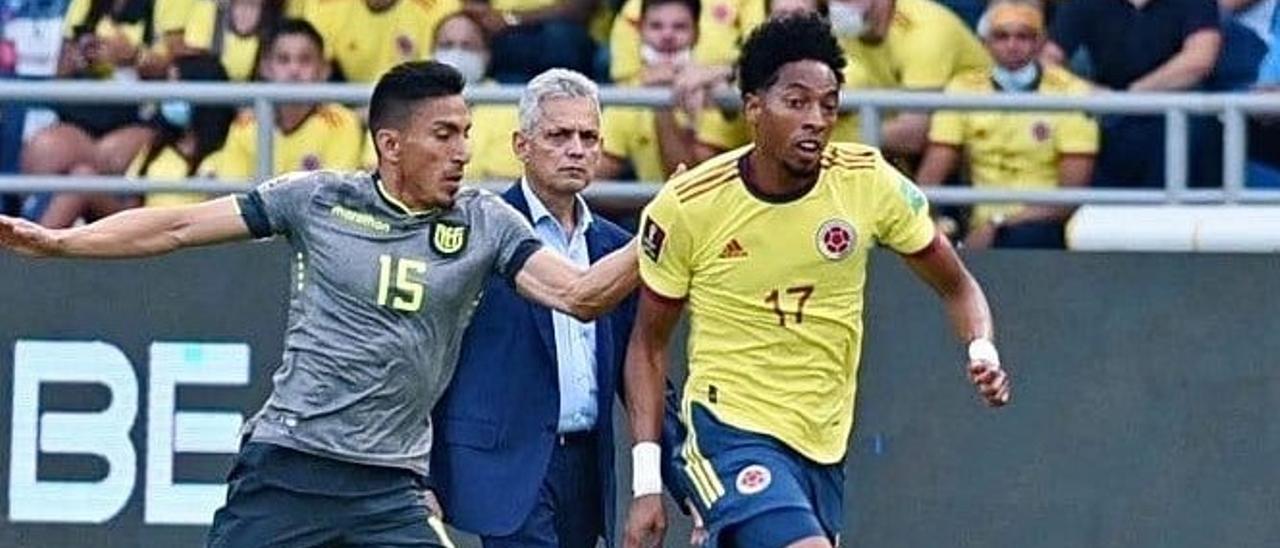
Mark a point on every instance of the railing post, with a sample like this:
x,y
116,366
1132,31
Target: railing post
x,y
869,125
1234,149
264,113
1175,153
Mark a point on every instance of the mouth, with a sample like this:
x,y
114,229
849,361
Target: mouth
x,y
578,172
808,148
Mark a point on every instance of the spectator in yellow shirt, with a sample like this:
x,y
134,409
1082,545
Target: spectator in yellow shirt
x,y
368,37
232,30
532,36
654,141
1014,150
722,25
462,44
308,136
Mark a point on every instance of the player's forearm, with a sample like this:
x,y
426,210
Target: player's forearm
x,y
967,307
604,285
645,374
130,233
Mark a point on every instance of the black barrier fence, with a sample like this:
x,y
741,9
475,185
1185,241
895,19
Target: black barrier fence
x,y
1143,412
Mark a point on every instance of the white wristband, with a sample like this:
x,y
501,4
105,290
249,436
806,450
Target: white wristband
x,y
646,469
981,349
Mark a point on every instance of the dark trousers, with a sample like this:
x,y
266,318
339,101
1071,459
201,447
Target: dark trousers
x,y
523,52
1039,234
568,511
283,498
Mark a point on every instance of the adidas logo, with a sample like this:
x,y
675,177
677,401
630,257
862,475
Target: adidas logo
x,y
733,250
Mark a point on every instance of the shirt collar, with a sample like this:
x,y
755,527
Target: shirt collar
x,y
538,211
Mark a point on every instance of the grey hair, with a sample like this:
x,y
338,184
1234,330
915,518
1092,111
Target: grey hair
x,y
556,83
983,28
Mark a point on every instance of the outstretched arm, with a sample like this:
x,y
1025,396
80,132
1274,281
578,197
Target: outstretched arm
x,y
939,266
133,233
550,280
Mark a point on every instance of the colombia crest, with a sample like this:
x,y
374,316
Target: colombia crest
x,y
835,239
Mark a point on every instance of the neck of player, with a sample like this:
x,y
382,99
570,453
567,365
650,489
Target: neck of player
x,y
771,177
561,205
411,196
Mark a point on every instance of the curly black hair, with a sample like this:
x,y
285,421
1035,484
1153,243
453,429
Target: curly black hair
x,y
787,39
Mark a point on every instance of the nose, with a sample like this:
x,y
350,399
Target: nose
x,y
815,119
575,148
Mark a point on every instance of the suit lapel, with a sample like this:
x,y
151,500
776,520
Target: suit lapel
x,y
541,315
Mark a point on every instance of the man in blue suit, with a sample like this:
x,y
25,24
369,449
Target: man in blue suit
x,y
524,452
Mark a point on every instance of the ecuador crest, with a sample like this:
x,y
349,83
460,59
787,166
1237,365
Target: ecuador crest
x,y
448,239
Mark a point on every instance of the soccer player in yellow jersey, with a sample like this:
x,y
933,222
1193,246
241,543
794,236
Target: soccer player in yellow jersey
x,y
308,136
767,246
1023,150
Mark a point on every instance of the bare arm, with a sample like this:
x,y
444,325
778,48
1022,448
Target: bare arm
x,y
133,233
550,280
938,163
1187,68
906,133
645,374
675,143
1074,171
610,167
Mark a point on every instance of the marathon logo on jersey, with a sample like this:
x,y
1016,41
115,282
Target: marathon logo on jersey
x,y
448,239
754,479
654,238
836,239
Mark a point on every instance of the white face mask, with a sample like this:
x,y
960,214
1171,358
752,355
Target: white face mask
x,y
470,63
847,20
1016,80
652,56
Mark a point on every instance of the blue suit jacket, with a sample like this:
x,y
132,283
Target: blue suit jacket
x,y
495,426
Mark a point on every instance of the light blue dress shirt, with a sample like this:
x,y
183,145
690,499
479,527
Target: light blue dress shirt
x,y
575,340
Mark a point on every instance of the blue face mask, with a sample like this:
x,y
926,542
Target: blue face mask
x,y
177,113
1016,80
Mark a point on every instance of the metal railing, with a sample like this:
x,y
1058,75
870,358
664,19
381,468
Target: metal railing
x,y
871,107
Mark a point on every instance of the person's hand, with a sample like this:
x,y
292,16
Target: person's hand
x,y
118,50
27,238
981,237
661,74
698,536
695,83
646,522
433,504
992,381
488,18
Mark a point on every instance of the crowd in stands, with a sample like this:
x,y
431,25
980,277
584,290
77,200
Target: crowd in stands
x,y
1070,47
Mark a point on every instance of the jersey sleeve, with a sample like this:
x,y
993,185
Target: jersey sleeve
x,y
237,157
666,247
615,128
510,233
279,206
1077,133
200,25
947,126
903,222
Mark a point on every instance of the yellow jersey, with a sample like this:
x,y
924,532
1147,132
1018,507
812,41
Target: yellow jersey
x,y
1016,150
722,27
631,133
237,53
331,137
774,289
927,45
366,44
172,15
169,165
492,154
107,26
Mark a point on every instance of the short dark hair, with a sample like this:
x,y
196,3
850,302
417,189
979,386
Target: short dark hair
x,y
783,40
288,27
695,7
406,84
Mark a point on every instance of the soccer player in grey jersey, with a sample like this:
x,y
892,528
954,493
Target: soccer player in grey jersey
x,y
389,267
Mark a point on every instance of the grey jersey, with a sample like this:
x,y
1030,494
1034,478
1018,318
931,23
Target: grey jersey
x,y
380,299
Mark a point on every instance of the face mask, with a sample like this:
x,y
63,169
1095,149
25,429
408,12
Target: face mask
x,y
1016,80
469,63
652,56
847,20
176,113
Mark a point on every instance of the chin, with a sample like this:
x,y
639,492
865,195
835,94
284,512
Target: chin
x,y
800,168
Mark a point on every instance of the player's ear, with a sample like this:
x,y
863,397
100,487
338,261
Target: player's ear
x,y
388,142
520,145
751,106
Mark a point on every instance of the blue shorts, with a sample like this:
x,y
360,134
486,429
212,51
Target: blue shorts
x,y
754,491
279,497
